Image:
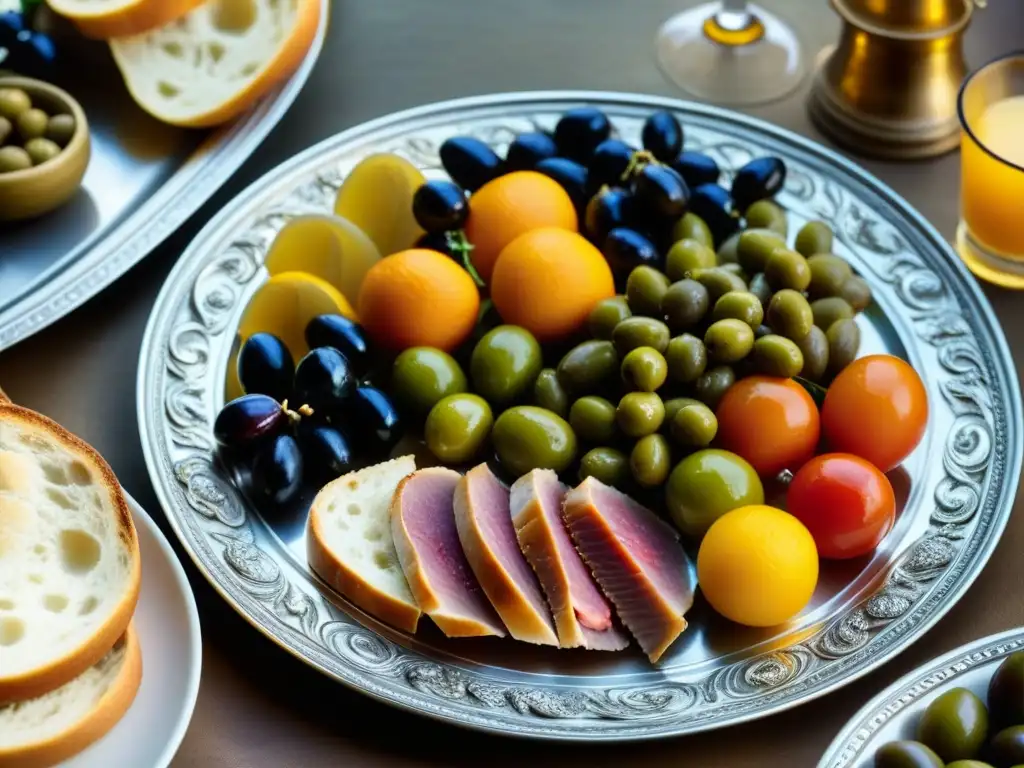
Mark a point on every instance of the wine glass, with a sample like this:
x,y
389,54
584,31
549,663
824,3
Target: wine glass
x,y
731,52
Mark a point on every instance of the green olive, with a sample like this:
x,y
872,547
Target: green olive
x,y
687,255
787,269
761,331
692,227
593,419
32,123
968,764
673,406
726,253
906,754
639,414
954,725
636,332
650,461
814,348
828,273
1006,691
526,438
60,129
41,150
776,355
645,288
14,159
5,130
718,281
644,369
686,357
694,426
1007,747
843,344
685,304
728,341
505,364
765,214
760,288
549,393
828,311
590,366
13,101
737,270
608,465
605,315
857,293
423,376
754,248
813,237
706,485
713,384
789,314
739,305
457,428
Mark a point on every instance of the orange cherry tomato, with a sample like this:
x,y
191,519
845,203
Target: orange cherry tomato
x,y
846,503
772,423
877,408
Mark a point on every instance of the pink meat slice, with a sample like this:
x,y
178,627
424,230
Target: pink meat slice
x,y
583,617
427,542
484,523
636,559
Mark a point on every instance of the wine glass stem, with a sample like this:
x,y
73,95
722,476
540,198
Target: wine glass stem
x,y
734,25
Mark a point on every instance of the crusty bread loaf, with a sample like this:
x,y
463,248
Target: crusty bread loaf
x,y
69,556
44,731
116,18
349,543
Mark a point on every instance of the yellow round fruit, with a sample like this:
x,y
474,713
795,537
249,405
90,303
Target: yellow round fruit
x,y
377,195
758,566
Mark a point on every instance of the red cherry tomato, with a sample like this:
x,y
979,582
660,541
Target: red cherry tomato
x,y
772,423
877,408
845,502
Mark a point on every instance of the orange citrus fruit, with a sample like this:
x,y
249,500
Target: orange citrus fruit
x,y
547,281
418,298
506,207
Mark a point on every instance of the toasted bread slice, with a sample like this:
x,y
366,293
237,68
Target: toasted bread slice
x,y
69,556
47,730
350,545
212,64
117,18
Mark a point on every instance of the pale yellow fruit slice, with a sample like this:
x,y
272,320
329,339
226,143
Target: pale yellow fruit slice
x,y
329,247
377,197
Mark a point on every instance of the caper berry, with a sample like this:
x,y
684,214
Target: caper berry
x,y
686,357
712,385
644,369
776,355
813,237
645,288
685,304
789,314
765,214
694,426
739,305
828,273
692,227
685,256
605,315
728,341
787,269
827,311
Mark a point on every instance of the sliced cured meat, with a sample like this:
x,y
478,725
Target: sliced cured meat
x,y
489,540
583,617
427,542
636,559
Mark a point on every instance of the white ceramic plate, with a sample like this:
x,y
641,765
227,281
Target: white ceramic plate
x,y
168,625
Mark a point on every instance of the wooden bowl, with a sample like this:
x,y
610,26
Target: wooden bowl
x,y
38,190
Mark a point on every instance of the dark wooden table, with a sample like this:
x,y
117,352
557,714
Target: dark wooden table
x,y
257,705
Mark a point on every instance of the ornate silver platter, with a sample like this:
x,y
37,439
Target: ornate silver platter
x,y
894,713
955,491
144,181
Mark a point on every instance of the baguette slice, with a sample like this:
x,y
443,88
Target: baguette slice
x,y
69,556
217,61
116,18
47,730
350,545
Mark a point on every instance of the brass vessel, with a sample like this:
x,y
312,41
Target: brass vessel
x,y
889,87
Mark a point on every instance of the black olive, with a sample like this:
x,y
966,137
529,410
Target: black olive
x,y
528,149
277,471
248,421
266,367
325,452
661,194
29,53
469,162
324,381
344,335
440,206
626,248
696,168
715,205
374,421
579,131
608,164
610,208
758,180
662,136
570,174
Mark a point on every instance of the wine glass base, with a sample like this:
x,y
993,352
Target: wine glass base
x,y
755,73
990,267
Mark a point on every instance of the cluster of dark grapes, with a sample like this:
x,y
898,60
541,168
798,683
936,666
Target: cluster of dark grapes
x,y
306,422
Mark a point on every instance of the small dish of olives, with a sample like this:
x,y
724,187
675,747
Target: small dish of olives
x,y
44,147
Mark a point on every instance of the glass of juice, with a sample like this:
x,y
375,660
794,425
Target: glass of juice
x,y
990,237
